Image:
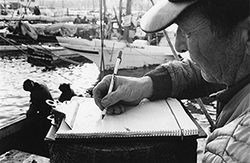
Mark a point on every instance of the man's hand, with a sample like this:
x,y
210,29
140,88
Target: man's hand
x,y
126,91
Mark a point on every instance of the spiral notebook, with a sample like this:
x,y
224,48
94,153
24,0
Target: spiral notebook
x,y
148,119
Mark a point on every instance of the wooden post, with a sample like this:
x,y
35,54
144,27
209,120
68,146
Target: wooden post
x,y
118,18
126,29
105,8
120,11
102,66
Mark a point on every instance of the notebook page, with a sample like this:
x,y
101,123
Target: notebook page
x,y
70,109
148,118
187,125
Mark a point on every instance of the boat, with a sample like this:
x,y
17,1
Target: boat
x,y
21,134
13,40
41,18
53,56
69,29
16,44
134,55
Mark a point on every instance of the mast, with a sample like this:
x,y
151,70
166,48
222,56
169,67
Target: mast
x,y
102,66
105,8
126,29
63,4
118,18
120,11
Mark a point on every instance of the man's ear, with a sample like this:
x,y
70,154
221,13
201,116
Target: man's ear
x,y
248,43
246,34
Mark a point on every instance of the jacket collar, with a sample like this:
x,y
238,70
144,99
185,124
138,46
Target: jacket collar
x,y
228,93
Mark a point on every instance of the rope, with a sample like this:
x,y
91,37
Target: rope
x,y
10,41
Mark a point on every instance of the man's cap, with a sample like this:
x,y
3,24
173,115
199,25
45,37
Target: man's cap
x,y
163,14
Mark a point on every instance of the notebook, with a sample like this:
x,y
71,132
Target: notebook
x,y
148,119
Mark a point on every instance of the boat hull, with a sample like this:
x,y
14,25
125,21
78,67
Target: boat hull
x,y
48,56
134,55
23,134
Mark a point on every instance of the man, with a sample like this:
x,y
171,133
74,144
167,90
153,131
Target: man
x,y
39,110
39,93
84,20
218,38
67,92
78,19
37,11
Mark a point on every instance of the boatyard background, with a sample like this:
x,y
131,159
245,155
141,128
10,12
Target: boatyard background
x,y
73,7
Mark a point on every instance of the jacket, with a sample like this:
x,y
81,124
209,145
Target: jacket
x,y
39,94
230,141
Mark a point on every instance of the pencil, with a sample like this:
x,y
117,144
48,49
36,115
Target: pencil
x,y
112,82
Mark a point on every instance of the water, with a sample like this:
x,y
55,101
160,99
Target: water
x,y
14,100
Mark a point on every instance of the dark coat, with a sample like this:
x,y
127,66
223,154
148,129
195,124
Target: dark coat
x,y
67,92
38,96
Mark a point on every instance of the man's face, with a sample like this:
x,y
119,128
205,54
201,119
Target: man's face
x,y
218,58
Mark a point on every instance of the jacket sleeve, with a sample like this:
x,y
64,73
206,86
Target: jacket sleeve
x,y
180,79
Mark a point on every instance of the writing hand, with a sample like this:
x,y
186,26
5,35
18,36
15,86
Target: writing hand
x,y
126,91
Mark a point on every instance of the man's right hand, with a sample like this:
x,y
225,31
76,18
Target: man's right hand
x,y
126,91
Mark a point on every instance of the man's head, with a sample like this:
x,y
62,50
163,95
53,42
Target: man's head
x,y
28,85
64,88
217,34
224,13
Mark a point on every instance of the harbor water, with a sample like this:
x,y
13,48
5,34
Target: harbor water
x,y
14,101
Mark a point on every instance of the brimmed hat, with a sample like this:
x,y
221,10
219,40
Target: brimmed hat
x,y
163,14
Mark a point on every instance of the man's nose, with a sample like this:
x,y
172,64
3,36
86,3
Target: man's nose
x,y
180,42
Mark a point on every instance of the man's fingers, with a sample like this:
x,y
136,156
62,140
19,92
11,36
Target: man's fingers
x,y
99,91
98,103
116,109
112,98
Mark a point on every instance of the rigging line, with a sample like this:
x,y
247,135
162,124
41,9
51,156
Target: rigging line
x,y
71,81
64,59
47,66
26,6
22,50
78,64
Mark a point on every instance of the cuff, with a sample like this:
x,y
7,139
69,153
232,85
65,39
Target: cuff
x,y
162,84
